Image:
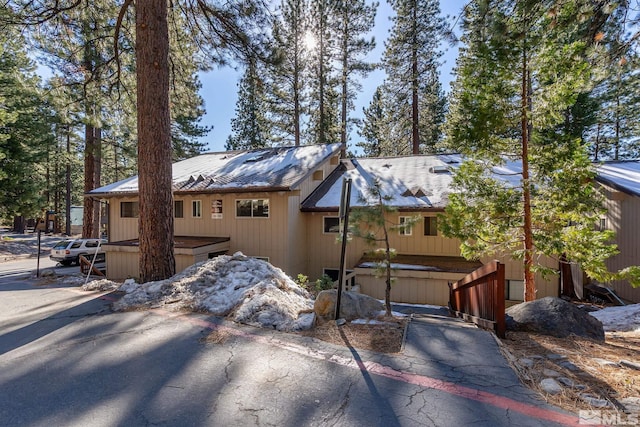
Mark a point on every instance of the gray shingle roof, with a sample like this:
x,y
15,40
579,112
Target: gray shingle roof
x,y
414,182
269,169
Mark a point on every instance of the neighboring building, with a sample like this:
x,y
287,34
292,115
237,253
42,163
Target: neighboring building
x,y
281,204
232,201
426,261
620,182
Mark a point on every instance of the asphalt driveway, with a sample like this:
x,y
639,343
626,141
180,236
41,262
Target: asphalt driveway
x,y
67,360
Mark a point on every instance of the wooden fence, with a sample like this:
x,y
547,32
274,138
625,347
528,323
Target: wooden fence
x,y
479,297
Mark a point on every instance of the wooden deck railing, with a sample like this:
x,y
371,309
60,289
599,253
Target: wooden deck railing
x,y
479,297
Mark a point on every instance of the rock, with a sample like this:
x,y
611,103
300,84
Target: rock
x,y
604,362
631,404
550,373
352,306
555,317
554,356
594,401
551,386
48,273
568,365
526,362
630,364
568,382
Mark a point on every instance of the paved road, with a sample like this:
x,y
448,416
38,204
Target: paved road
x,y
67,360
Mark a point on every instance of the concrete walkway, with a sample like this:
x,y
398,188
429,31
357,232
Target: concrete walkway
x,y
67,360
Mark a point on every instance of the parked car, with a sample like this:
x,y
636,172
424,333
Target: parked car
x,y
68,252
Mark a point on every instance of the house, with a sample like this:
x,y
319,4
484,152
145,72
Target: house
x,y
225,202
426,261
281,204
620,183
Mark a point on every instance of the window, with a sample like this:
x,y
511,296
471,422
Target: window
x,y
252,208
430,226
318,175
178,209
129,209
406,228
602,224
514,290
331,224
196,208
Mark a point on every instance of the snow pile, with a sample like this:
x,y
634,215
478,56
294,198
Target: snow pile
x,y
95,285
245,289
621,318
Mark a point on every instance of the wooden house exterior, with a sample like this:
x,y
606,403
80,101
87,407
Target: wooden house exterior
x,y
220,198
281,204
426,261
620,183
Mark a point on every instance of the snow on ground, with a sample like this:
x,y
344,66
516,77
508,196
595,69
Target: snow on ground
x,y
251,291
620,318
245,289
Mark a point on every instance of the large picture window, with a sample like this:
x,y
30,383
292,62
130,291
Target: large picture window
x,y
252,208
129,209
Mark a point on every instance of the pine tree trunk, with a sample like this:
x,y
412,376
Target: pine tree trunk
x,y
68,183
97,171
415,134
155,226
529,277
344,82
89,176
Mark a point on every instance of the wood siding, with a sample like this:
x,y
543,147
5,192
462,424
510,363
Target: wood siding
x,y
411,286
310,183
623,217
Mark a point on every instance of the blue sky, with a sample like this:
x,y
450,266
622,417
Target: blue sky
x,y
219,87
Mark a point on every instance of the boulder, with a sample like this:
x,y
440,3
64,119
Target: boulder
x,y
555,317
352,306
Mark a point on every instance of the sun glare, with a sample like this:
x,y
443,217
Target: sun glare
x,y
310,41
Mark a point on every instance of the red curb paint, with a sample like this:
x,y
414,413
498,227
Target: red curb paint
x,y
387,372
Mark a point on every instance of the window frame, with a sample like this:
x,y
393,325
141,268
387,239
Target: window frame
x,y
508,289
134,206
324,225
254,207
406,230
196,208
432,227
175,208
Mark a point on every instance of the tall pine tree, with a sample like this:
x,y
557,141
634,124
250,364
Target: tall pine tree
x,y
249,126
287,73
524,66
324,125
353,19
411,62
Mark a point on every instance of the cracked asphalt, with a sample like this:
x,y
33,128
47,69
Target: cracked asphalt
x,y
67,360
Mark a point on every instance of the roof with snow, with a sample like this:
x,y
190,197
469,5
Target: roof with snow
x,y
415,182
268,169
621,175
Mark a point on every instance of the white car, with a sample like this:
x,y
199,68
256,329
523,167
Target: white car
x,y
67,252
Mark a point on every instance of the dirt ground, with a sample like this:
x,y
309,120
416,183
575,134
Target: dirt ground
x,y
384,336
610,382
599,372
